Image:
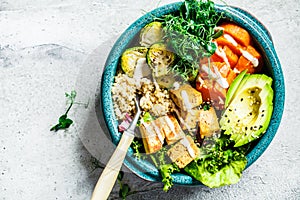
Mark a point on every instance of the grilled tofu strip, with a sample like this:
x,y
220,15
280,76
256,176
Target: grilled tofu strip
x,y
152,135
171,128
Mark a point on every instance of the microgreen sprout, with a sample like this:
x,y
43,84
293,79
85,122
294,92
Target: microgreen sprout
x,y
64,122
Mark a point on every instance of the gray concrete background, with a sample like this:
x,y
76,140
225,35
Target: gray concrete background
x,y
51,47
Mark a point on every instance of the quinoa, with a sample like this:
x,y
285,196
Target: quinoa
x,y
123,92
154,99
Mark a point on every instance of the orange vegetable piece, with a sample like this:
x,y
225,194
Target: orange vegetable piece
x,y
244,63
232,57
222,41
231,76
238,33
222,68
213,58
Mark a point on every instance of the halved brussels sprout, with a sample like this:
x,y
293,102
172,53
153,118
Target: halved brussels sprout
x,y
160,59
130,57
151,33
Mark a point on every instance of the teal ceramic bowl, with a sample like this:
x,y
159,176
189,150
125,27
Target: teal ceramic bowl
x,y
145,169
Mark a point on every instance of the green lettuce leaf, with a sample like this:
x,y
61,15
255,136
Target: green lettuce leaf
x,y
219,163
229,174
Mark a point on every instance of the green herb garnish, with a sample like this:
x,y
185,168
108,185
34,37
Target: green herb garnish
x,y
137,147
166,170
190,33
125,190
64,122
165,166
206,106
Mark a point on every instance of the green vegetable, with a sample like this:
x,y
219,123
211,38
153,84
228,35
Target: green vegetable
x,y
151,33
250,107
160,59
186,69
206,106
166,168
233,86
137,148
191,31
147,117
229,174
64,122
130,58
219,164
125,190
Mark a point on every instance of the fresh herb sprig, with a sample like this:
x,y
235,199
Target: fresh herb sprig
x,y
137,148
165,166
166,170
190,33
125,190
64,122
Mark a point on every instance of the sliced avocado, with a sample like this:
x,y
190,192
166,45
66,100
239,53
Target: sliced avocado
x,y
151,33
130,57
234,85
160,59
249,111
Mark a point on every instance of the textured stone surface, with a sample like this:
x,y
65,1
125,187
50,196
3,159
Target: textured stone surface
x,y
48,48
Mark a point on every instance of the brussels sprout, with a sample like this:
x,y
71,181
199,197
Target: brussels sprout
x,y
160,59
130,57
151,33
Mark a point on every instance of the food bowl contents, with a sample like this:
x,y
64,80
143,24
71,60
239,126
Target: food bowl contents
x,y
154,99
123,93
155,132
183,152
151,34
203,94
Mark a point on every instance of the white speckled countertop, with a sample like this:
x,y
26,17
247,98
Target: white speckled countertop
x,y
51,47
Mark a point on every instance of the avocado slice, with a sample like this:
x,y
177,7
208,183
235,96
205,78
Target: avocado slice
x,y
249,108
233,86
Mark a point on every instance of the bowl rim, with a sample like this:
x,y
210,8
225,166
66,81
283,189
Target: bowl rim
x,y
143,168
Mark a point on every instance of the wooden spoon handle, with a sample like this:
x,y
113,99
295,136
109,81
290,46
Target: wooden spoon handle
x,y
111,171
